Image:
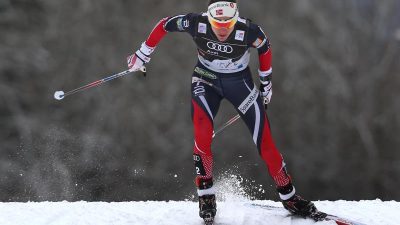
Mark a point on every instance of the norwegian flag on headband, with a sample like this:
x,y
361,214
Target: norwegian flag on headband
x,y
219,12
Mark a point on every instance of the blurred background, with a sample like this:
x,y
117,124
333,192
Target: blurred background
x,y
334,113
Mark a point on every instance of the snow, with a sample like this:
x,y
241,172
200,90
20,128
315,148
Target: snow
x,y
234,207
185,213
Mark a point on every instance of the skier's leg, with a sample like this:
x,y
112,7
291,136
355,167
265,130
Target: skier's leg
x,y
245,97
271,155
243,94
205,104
276,166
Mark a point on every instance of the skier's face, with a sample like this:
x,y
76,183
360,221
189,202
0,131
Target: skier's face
x,y
222,33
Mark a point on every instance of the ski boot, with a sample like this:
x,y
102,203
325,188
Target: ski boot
x,y
296,204
208,208
207,203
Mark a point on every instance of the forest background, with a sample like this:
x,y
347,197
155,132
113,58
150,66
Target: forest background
x,y
334,112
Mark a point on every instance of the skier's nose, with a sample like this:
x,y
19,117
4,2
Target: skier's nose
x,y
222,31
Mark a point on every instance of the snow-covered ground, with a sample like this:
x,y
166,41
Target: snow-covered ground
x,y
234,208
185,213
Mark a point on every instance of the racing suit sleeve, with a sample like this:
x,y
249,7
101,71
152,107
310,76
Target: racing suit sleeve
x,y
179,23
258,39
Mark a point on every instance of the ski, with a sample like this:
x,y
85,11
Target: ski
x,y
317,216
341,221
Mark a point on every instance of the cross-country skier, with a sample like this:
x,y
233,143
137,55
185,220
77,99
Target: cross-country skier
x,y
223,41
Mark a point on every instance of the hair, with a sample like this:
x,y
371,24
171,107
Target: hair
x,y
214,1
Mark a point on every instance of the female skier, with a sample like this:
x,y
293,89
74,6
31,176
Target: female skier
x,y
223,41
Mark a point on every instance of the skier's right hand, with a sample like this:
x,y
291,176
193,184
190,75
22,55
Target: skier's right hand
x,y
265,86
134,62
141,56
266,91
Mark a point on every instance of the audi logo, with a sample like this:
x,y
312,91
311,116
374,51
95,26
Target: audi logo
x,y
219,47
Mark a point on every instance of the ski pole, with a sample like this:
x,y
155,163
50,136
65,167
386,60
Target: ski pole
x,y
225,125
59,95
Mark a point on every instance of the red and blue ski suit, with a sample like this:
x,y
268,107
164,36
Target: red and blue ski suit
x,y
222,72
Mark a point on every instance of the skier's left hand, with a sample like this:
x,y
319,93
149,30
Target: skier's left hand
x,y
266,91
